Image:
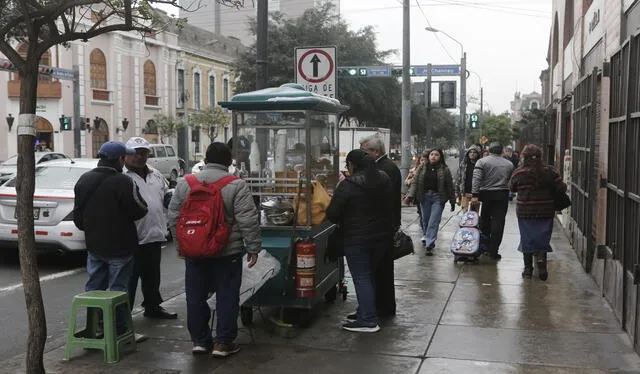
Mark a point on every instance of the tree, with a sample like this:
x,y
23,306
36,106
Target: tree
x,y
40,25
497,129
210,121
433,127
373,102
530,127
167,126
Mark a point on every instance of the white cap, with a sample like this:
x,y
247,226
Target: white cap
x,y
138,142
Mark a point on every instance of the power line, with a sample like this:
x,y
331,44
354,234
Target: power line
x,y
436,35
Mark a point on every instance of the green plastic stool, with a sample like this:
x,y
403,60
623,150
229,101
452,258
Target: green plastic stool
x,y
109,342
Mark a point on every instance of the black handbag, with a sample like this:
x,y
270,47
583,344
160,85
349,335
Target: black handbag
x,y
335,245
560,200
402,245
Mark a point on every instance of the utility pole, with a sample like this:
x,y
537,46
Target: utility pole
x,y
406,92
427,94
261,44
481,101
463,104
77,134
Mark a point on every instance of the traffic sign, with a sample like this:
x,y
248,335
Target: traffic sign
x,y
445,70
316,69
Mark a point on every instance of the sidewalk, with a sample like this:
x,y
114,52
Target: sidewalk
x,y
476,318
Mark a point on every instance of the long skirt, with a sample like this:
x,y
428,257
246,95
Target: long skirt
x,y
535,235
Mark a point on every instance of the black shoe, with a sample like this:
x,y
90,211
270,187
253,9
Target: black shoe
x,y
495,256
542,266
352,317
527,273
159,313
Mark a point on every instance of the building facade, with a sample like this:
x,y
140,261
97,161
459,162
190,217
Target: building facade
x,y
235,22
593,113
125,79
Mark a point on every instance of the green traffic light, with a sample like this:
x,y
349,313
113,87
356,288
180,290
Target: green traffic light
x,y
352,72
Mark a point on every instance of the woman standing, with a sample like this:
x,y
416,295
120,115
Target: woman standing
x,y
432,187
535,184
412,174
361,206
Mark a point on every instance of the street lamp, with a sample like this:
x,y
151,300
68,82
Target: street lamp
x,y
463,88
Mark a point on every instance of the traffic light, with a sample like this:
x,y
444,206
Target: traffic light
x,y
447,94
65,123
474,121
352,72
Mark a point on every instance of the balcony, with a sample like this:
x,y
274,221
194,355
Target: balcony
x,y
151,100
46,89
100,95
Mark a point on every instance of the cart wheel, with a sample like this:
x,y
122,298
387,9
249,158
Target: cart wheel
x,y
331,295
304,318
246,315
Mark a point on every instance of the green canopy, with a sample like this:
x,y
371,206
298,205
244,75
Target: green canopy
x,y
289,96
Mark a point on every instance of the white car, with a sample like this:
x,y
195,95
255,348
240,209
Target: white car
x,y
8,168
197,167
52,207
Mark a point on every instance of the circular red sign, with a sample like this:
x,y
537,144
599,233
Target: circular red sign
x,y
315,80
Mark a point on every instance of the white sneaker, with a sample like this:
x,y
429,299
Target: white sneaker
x,y
356,326
424,239
140,337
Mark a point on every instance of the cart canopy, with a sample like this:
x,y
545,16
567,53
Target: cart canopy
x,y
289,96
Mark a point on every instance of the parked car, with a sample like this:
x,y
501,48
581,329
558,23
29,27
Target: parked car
x,y
164,158
9,168
53,200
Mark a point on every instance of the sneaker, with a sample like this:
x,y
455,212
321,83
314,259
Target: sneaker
x,y
352,317
224,350
200,349
424,239
140,337
356,326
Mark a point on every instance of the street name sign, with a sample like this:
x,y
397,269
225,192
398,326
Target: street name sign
x,y
316,69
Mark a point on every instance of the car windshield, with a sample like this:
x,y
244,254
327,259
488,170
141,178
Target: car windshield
x,y
55,177
11,161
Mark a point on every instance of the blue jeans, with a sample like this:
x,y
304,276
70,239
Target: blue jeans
x,y
110,274
431,207
222,276
363,260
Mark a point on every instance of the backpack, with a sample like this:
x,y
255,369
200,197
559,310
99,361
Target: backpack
x,y
201,230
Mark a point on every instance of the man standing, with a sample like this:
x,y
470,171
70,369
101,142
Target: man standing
x,y
509,155
384,277
221,272
152,230
107,204
491,185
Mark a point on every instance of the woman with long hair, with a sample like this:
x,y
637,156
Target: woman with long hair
x,y
362,207
432,187
535,184
421,159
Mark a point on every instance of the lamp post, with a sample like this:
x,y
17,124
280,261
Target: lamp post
x,y
481,91
463,89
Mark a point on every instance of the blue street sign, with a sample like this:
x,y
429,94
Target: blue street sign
x,y
378,71
445,70
64,74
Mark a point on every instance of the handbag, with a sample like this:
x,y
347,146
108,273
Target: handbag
x,y
335,245
561,200
402,245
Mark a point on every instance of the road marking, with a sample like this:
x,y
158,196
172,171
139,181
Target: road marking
x,y
46,278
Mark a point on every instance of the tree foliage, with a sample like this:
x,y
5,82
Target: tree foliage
x,y
167,126
373,102
40,25
433,127
497,128
530,127
210,121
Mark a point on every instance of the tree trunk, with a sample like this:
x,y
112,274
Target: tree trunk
x,y
26,240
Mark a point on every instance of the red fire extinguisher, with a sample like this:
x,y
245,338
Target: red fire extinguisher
x,y
305,269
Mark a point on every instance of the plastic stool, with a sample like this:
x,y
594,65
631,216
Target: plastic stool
x,y
110,343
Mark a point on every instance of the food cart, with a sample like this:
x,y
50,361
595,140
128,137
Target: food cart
x,y
285,145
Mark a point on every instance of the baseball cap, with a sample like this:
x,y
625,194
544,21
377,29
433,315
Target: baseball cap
x,y
113,149
138,142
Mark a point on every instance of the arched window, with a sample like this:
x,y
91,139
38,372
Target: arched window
x,y
98,75
212,91
150,83
196,91
568,22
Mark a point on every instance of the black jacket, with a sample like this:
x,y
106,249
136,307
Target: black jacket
x,y
107,203
385,164
357,206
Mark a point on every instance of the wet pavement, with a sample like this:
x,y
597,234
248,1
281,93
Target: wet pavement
x,y
452,318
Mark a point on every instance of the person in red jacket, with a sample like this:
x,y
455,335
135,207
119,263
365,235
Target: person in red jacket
x,y
535,184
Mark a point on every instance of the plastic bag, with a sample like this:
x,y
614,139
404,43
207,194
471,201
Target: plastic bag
x,y
466,241
254,278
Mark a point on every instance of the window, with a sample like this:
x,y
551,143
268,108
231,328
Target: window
x,y
181,93
44,60
196,91
160,152
195,138
98,75
225,89
212,91
170,152
150,83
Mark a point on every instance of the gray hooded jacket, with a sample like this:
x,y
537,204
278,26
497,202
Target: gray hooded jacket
x,y
239,210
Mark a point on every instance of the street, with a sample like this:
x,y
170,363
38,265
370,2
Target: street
x,y
61,278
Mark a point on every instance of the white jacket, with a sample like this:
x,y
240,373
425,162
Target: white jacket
x,y
152,227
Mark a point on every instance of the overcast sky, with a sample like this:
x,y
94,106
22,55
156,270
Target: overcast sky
x,y
506,40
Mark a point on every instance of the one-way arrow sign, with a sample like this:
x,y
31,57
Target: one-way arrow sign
x,y
316,69
315,61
